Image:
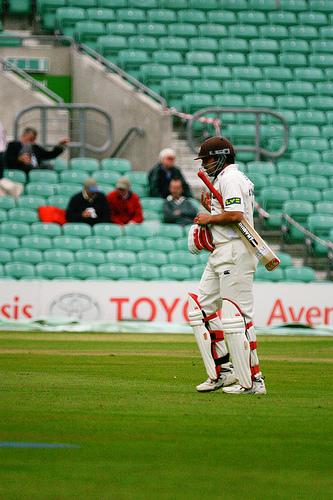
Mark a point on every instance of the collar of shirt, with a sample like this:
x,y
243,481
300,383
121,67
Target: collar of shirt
x,y
232,166
178,201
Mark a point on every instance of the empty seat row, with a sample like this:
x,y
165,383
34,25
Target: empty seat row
x,y
274,197
290,274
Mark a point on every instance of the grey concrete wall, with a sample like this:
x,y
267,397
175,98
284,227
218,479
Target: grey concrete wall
x,y
93,85
59,57
16,94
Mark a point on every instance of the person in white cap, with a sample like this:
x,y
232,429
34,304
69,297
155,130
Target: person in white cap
x,y
163,172
89,205
124,205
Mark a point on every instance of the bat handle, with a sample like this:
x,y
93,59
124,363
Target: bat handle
x,y
211,188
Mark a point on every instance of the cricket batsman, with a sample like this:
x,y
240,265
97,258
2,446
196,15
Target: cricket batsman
x,y
227,280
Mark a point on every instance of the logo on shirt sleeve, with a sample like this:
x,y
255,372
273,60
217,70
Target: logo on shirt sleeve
x,y
232,201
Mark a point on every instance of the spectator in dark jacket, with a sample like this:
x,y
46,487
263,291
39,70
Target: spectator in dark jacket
x,y
161,174
178,209
124,205
89,206
25,154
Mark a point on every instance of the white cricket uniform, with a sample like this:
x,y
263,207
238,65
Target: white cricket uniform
x,y
230,268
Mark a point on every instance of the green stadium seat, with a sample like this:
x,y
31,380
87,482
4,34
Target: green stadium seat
x,y
300,274
121,29
227,100
59,256
327,195
263,45
322,103
67,17
262,274
42,229
142,230
9,242
46,10
309,74
170,231
148,256
109,46
9,41
143,42
23,215
194,102
153,29
188,72
212,30
73,177
203,44
312,19
185,30
247,73
321,60
324,207
197,271
19,270
106,177
132,243
36,242
314,143
164,16
324,88
84,164
303,32
144,4
85,4
166,57
154,204
102,243
15,175
175,272
300,88
95,257
246,31
144,272
306,194
68,189
242,87
80,271
277,73
131,15
112,271
26,255
87,32
252,17
285,260
101,14
293,102
174,88
234,45
292,59
269,87
72,243
293,5
36,189
301,131
315,181
160,243
261,167
124,257
140,190
132,59
58,201
273,197
50,270
263,59
3,215
15,228
291,168
207,87
259,180
7,202
173,43
230,59
321,168
311,117
295,45
200,58
305,155
189,16
326,32
43,176
138,177
203,4
60,164
327,156
114,4
283,18
120,165
6,256
79,229
259,101
150,215
320,6
322,46
107,230
23,7
276,32
183,258
283,181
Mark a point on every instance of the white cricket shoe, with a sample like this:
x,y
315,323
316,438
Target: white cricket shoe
x,y
227,377
258,387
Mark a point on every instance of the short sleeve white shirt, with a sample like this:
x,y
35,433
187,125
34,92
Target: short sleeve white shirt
x,y
237,193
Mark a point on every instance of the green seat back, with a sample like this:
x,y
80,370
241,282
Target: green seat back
x,y
204,44
166,57
19,270
101,14
68,189
36,189
173,43
300,274
102,243
107,230
9,242
323,103
320,225
212,30
80,271
311,117
43,229
132,58
183,257
277,73
157,257
170,231
67,17
7,202
285,260
273,197
247,72
283,180
132,243
5,256
264,45
72,243
300,88
291,168
306,194
300,131
185,30
19,7
109,45
131,15
79,229
295,102
145,272
275,31
305,155
121,28
30,256
106,177
262,59
143,42
298,209
154,204
142,230
243,87
160,243
153,29
303,32
36,242
120,165
113,271
295,45
15,228
154,72
60,164
59,256
315,181
321,169
262,274
124,257
58,200
309,74
43,176
84,164
51,270
164,16
15,175
23,215
95,257
261,167
87,32
312,18
175,272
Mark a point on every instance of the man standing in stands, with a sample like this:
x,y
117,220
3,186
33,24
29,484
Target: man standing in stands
x,y
89,205
25,154
161,174
124,205
177,209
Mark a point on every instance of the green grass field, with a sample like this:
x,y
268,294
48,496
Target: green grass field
x,y
129,403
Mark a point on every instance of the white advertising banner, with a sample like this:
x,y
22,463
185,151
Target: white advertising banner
x,y
162,301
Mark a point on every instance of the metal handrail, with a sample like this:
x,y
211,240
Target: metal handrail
x,y
35,84
118,71
124,141
258,112
82,108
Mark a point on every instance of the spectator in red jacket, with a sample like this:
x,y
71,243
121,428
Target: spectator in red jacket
x,y
124,205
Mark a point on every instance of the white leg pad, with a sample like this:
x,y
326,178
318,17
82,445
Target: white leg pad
x,y
202,336
238,344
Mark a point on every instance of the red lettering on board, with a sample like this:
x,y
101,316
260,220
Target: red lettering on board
x,y
119,303
311,314
278,312
148,301
169,309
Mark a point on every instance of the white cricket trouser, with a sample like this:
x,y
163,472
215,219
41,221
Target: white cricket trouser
x,y
229,274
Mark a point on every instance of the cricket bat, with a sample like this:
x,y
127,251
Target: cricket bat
x,y
247,232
